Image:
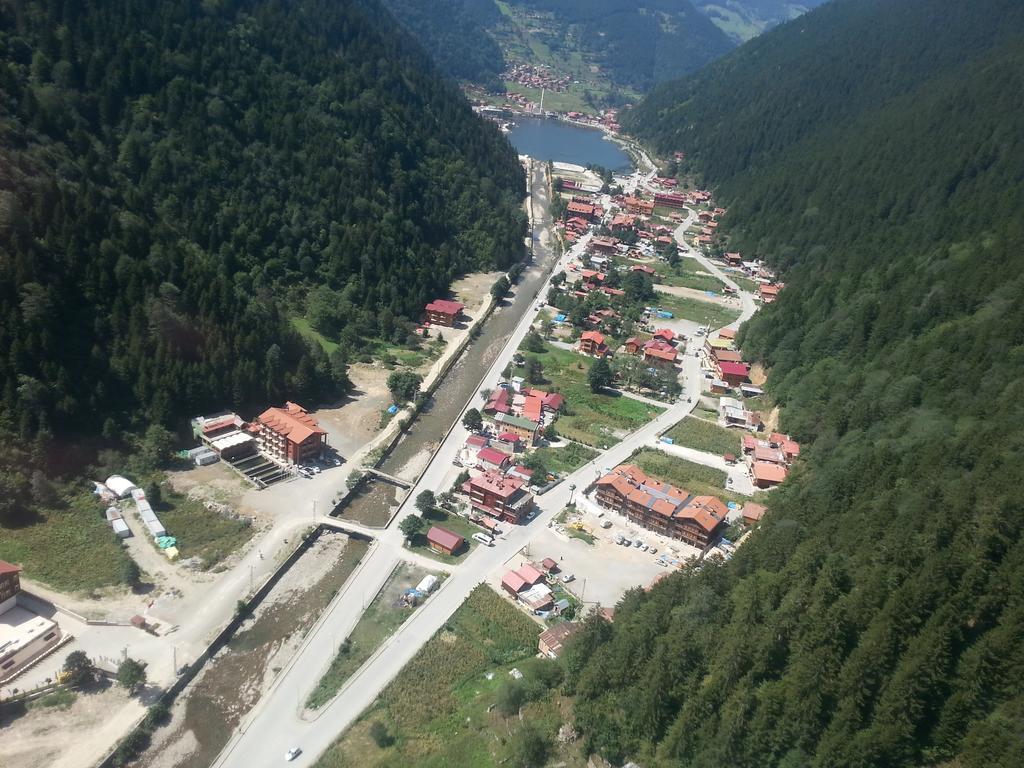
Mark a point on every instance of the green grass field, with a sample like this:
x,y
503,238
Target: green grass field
x,y
695,310
688,273
302,325
695,478
593,419
453,523
705,436
378,622
76,535
565,458
200,532
440,710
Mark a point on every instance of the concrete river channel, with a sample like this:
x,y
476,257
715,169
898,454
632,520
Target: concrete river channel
x,y
372,502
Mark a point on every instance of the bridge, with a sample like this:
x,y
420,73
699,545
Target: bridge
x,y
390,478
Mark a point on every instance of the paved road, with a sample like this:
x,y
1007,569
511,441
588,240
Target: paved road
x,y
278,722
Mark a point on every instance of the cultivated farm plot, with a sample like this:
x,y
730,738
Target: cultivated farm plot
x,y
445,707
697,311
705,436
595,419
688,273
695,478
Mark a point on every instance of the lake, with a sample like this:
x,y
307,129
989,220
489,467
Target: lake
x,y
561,142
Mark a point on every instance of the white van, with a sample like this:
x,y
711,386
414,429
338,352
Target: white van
x,y
484,539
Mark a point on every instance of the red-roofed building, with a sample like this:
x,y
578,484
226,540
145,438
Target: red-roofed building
x,y
530,574
492,458
669,199
644,269
10,585
768,293
732,373
638,207
727,333
498,496
603,244
553,402
513,583
290,435
661,507
660,354
585,210
592,343
633,345
666,335
753,513
444,541
443,312
767,474
498,402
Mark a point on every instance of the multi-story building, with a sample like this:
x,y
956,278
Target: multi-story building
x,y
498,495
443,312
290,435
24,635
661,507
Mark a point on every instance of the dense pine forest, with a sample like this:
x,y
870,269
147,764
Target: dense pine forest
x,y
454,35
874,151
174,176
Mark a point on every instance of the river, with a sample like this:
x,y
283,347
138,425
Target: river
x,y
463,380
549,139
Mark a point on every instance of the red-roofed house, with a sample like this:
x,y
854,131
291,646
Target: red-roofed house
x,y
665,334
443,312
752,513
767,474
553,401
592,343
768,293
727,333
513,583
660,354
444,541
498,402
492,458
290,435
633,345
732,373
531,574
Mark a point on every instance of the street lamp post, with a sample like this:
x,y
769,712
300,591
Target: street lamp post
x,y
572,490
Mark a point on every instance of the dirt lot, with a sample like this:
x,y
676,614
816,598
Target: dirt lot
x,y
77,736
230,686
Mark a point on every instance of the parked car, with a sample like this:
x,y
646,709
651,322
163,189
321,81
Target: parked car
x,y
567,577
638,543
653,550
606,524
484,539
292,753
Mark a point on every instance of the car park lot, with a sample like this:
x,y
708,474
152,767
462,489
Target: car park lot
x,y
604,570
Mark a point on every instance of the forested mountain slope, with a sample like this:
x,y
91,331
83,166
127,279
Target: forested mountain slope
x,y
641,43
454,34
174,175
875,152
